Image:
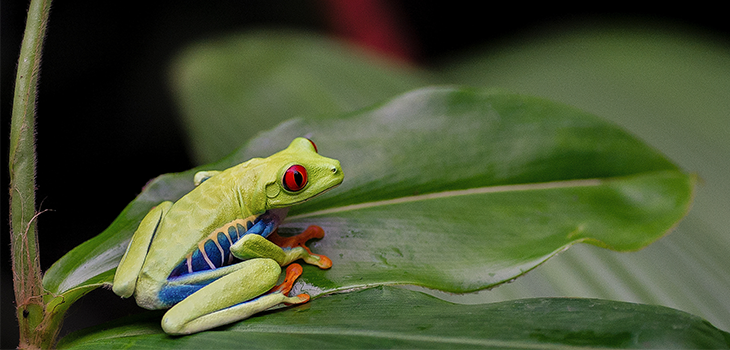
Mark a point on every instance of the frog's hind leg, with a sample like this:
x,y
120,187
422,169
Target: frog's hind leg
x,y
231,298
295,247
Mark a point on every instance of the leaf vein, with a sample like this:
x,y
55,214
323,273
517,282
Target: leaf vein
x,y
455,193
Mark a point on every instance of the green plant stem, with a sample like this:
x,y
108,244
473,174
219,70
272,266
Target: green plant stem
x,y
31,314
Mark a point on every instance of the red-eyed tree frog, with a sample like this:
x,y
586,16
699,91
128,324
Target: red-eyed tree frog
x,y
213,257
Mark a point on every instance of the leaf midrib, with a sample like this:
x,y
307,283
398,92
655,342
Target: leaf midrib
x,y
455,193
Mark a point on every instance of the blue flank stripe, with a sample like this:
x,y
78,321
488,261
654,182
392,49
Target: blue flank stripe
x,y
264,226
225,244
198,262
258,228
171,295
213,253
181,269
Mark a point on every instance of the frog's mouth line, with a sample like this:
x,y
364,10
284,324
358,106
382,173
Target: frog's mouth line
x,y
318,194
304,200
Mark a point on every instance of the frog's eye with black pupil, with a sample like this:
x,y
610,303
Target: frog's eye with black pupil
x,y
313,145
295,178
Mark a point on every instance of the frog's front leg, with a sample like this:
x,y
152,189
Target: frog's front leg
x,y
254,246
295,245
233,297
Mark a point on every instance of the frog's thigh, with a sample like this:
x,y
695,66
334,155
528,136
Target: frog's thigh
x,y
225,300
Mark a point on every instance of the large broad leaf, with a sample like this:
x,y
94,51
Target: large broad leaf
x,y
453,189
396,318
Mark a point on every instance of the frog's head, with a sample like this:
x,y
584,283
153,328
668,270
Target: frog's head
x,y
299,173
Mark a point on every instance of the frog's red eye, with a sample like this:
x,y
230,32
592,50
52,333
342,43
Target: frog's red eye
x,y
295,178
313,145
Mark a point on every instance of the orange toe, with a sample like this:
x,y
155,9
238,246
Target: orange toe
x,y
293,272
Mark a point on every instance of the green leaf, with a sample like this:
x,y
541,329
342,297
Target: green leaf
x,y
231,88
391,317
667,84
453,189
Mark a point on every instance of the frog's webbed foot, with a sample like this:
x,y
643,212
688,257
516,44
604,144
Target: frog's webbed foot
x,y
294,247
293,272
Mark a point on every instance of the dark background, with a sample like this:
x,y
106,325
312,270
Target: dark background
x,y
106,122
